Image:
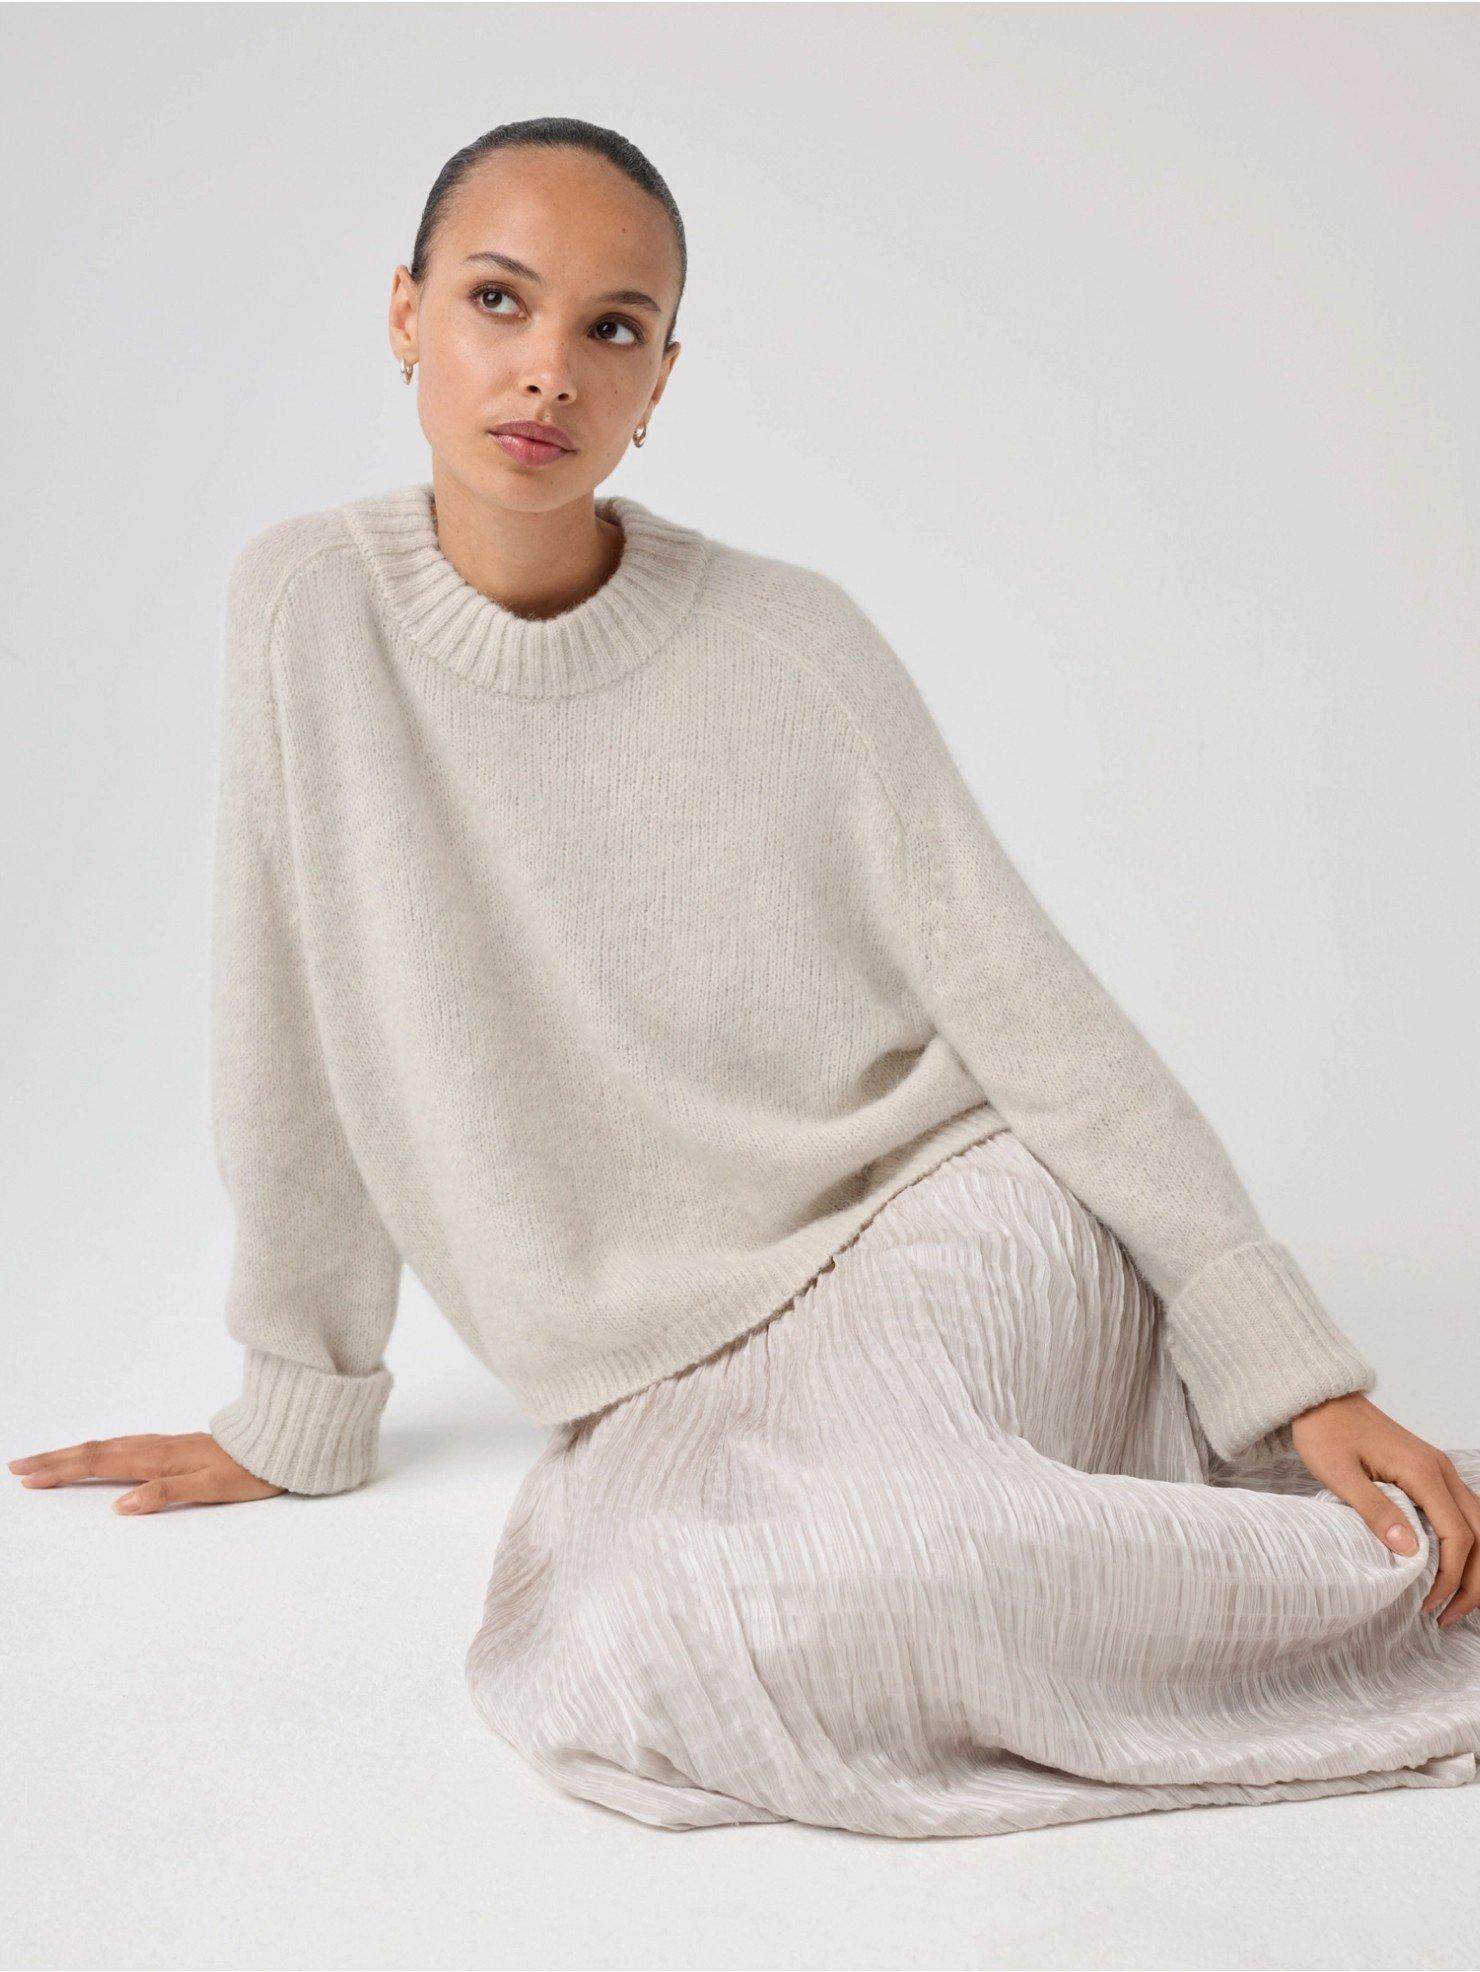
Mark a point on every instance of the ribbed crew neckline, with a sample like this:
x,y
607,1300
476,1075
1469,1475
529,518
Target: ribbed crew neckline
x,y
612,632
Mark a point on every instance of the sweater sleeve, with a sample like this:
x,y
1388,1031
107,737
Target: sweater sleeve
x,y
315,1278
1082,1088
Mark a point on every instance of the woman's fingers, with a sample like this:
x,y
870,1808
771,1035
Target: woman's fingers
x,y
205,1485
1467,1592
201,1485
135,1457
1349,1481
1425,1483
176,1469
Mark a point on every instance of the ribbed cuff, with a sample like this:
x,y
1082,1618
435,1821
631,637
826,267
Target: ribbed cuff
x,y
1254,1346
306,1430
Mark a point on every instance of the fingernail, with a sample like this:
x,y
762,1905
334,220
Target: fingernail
x,y
128,1504
1401,1537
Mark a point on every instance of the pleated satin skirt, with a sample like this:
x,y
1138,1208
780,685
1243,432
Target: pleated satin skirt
x,y
941,1549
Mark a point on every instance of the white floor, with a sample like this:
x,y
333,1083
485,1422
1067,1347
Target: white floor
x,y
239,1737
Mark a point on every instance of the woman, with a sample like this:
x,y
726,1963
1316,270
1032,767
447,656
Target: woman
x,y
940,1444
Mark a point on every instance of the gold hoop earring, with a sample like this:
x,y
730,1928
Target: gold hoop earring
x,y
406,370
639,435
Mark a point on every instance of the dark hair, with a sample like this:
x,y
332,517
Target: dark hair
x,y
551,133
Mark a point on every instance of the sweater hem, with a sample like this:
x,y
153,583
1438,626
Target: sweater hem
x,y
624,1372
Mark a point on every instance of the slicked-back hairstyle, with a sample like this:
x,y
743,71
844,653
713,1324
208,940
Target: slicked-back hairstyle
x,y
551,133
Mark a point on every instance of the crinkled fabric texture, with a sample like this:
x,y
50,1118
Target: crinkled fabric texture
x,y
941,1549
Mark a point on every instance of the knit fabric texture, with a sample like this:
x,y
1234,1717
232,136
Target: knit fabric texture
x,y
611,970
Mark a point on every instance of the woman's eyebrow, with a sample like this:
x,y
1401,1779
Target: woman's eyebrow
x,y
633,297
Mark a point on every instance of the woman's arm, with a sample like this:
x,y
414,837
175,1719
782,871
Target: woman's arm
x,y
315,1278
1084,1090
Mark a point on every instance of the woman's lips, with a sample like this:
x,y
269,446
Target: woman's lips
x,y
529,451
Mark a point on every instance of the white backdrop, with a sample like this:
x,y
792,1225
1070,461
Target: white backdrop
x,y
1121,362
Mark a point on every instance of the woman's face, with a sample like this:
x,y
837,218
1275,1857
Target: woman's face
x,y
516,320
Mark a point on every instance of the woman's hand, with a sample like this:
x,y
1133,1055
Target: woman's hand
x,y
177,1470
1348,1444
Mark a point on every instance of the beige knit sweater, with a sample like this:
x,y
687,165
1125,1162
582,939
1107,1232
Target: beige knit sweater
x,y
611,970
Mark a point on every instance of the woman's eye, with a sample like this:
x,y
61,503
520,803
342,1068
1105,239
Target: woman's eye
x,y
607,322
